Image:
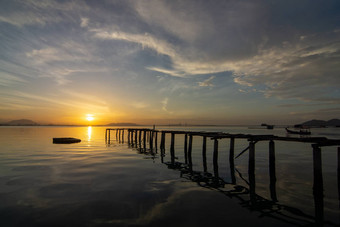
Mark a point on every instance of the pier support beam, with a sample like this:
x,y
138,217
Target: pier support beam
x,y
339,175
232,160
190,152
251,172
172,148
215,157
186,148
204,153
318,185
272,171
163,141
144,139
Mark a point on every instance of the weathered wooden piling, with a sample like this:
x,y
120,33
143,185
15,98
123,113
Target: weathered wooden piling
x,y
156,138
144,139
272,171
140,138
163,141
318,185
251,172
215,157
186,148
339,175
232,160
172,147
190,150
204,153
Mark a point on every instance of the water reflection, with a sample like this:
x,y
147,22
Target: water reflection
x,y
89,133
247,194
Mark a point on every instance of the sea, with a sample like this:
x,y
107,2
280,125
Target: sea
x,y
100,182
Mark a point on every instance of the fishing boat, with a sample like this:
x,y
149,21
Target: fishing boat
x,y
300,132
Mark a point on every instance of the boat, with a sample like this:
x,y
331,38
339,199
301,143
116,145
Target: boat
x,y
66,140
300,132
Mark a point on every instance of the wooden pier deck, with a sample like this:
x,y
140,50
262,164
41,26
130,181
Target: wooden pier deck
x,y
140,137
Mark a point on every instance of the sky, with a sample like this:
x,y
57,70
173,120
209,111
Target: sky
x,y
167,62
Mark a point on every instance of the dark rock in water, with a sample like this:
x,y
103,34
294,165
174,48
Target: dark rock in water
x,y
66,140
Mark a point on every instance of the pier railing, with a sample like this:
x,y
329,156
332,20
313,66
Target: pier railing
x,y
140,137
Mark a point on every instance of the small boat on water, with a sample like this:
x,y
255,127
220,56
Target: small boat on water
x,y
66,140
300,132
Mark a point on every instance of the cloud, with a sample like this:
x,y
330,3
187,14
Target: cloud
x,y
139,105
8,80
84,22
145,40
35,12
207,82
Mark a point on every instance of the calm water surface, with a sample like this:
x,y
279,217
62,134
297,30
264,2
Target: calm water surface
x,y
97,184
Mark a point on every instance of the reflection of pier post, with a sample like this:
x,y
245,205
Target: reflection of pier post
x,y
318,185
204,153
231,160
215,157
251,172
272,172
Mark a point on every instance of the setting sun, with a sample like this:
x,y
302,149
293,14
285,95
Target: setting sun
x,y
89,117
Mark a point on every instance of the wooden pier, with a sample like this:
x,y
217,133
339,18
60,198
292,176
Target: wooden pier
x,y
140,137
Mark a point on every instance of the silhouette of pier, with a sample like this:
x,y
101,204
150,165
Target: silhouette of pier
x,y
140,137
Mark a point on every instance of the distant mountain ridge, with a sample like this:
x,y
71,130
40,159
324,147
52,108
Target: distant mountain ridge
x,y
122,124
321,123
21,122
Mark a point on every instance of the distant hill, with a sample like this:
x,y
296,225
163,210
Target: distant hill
x,y
21,122
321,123
122,124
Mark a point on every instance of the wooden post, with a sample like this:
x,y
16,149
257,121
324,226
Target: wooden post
x,y
339,175
162,141
172,148
109,136
144,139
156,138
251,172
318,185
106,135
272,171
116,133
232,160
186,148
120,134
204,153
190,152
123,135
215,157
129,132
136,132
151,140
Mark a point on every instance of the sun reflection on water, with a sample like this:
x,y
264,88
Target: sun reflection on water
x,y
89,133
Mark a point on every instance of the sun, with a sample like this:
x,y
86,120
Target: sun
x,y
89,117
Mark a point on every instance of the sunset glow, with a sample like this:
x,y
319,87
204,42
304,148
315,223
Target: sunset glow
x,y
169,62
89,117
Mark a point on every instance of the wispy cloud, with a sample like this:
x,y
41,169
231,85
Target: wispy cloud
x,y
207,82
